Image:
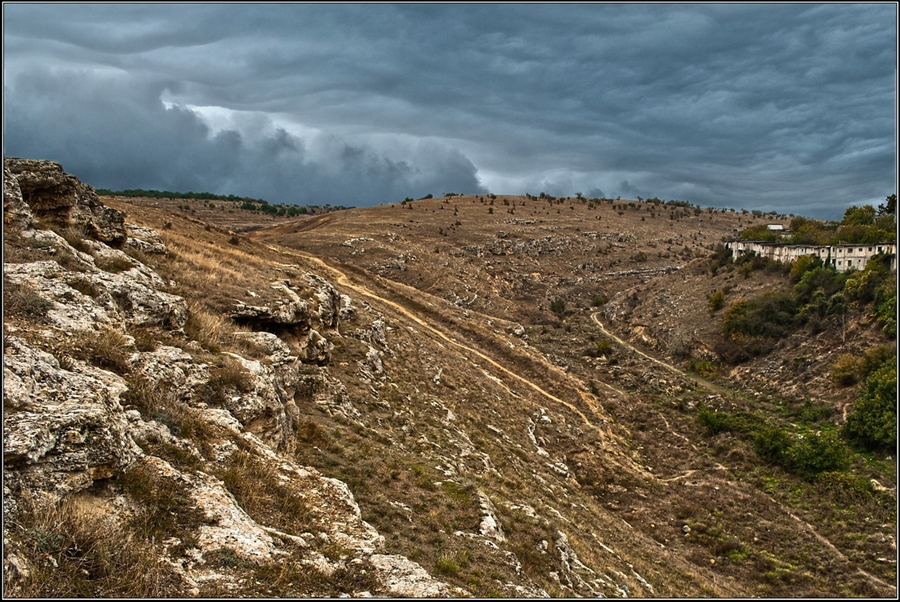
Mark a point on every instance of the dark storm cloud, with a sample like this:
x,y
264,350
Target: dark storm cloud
x,y
786,107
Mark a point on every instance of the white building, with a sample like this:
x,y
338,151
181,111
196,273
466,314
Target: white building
x,y
842,257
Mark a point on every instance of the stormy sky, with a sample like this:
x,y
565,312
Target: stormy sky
x,y
786,107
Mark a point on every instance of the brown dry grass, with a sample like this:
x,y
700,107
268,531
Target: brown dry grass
x,y
596,497
72,551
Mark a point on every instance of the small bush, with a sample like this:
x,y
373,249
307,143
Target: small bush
x,y
772,444
20,299
803,265
114,265
558,306
721,257
873,421
715,301
702,367
844,370
812,413
818,452
770,315
447,566
599,300
717,422
106,349
601,348
874,358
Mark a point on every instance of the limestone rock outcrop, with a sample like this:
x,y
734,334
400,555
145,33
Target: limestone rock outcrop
x,y
63,428
57,196
78,425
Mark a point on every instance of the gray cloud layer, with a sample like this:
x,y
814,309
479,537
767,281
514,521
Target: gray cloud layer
x,y
788,107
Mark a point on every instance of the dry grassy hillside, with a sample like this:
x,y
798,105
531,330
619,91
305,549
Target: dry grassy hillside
x,y
491,380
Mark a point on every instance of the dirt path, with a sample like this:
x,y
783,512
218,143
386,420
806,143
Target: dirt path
x,y
343,280
697,379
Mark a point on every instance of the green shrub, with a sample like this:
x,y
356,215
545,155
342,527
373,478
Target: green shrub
x,y
812,413
818,452
844,370
825,278
721,257
771,315
874,358
717,422
863,285
803,265
447,566
601,348
808,454
702,367
599,300
715,301
558,306
873,421
885,300
845,486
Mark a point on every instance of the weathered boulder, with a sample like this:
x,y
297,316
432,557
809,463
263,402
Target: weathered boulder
x,y
262,407
329,300
267,343
294,313
404,578
16,211
145,240
172,370
348,311
317,349
89,297
55,195
63,429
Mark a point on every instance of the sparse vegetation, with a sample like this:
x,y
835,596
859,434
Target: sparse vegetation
x,y
72,551
105,348
449,417
716,300
21,300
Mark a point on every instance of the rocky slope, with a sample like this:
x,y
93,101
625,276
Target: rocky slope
x,y
351,416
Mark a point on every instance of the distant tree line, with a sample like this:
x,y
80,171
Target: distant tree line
x,y
168,194
247,203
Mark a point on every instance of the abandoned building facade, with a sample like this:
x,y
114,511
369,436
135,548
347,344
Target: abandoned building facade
x,y
842,257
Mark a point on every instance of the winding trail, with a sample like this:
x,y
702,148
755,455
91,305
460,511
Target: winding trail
x,y
343,280
701,381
